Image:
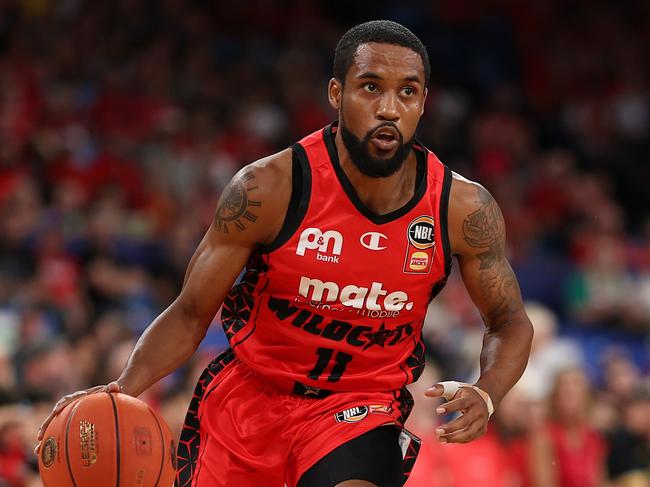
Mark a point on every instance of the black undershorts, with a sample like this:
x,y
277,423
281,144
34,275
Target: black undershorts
x,y
374,456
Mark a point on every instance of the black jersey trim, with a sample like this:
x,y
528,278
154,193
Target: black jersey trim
x,y
420,183
444,219
299,202
443,213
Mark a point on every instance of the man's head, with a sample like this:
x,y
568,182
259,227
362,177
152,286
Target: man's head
x,y
381,70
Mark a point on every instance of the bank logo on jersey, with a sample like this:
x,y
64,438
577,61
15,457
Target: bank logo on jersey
x,y
328,244
372,240
352,415
421,245
375,298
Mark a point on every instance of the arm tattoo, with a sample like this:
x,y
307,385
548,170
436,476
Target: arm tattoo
x,y
485,229
236,204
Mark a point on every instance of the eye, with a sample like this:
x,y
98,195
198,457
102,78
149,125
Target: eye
x,y
371,87
408,91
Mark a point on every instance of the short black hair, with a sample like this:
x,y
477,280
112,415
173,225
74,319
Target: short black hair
x,y
382,32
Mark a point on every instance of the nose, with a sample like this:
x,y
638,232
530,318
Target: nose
x,y
387,108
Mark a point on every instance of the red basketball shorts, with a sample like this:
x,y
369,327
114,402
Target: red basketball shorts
x,y
242,430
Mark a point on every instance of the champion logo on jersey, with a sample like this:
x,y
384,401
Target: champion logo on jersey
x,y
421,245
352,415
328,244
373,240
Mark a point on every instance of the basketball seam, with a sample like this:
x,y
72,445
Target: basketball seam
x,y
67,449
162,440
117,438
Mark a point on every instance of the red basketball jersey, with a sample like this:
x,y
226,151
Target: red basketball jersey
x,y
337,302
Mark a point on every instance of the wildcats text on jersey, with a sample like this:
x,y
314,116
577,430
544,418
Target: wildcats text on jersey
x,y
364,336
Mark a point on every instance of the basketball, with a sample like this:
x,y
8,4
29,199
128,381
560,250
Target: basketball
x,y
107,440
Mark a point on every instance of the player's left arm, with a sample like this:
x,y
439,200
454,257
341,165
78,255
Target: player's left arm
x,y
477,237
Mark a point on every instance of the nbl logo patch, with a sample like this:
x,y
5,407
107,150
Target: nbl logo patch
x,y
352,415
359,413
421,245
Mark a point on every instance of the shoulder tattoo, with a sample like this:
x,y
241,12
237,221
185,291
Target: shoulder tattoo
x,y
484,228
237,205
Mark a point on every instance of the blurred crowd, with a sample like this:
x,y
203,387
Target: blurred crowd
x,y
122,121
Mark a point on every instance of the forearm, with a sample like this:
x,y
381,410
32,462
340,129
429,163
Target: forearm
x,y
165,345
504,356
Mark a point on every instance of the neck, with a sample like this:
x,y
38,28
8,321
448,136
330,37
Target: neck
x,y
380,195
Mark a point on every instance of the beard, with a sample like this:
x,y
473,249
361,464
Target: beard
x,y
368,165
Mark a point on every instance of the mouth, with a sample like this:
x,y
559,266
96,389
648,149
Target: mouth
x,y
385,139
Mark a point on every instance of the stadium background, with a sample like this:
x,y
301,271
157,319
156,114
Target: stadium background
x,y
121,122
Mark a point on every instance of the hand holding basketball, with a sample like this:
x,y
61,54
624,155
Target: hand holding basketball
x,y
65,400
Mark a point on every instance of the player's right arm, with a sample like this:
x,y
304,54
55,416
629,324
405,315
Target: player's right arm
x,y
250,211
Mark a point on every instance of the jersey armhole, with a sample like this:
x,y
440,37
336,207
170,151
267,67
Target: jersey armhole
x,y
300,193
443,212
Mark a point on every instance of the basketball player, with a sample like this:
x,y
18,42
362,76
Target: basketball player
x,y
345,237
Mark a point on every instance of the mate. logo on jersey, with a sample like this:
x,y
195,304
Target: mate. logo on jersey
x,y
352,415
421,245
315,239
374,298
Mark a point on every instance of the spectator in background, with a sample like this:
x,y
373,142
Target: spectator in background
x,y
521,423
549,353
628,459
578,450
14,456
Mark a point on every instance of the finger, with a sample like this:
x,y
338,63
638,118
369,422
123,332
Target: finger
x,y
455,405
41,430
463,436
447,389
37,448
113,387
458,424
436,391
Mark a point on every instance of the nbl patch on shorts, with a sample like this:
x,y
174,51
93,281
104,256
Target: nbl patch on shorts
x,y
359,413
352,415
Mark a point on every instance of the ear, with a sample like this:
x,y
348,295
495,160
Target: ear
x,y
424,101
334,93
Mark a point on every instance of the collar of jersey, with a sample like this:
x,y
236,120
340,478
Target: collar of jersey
x,y
420,180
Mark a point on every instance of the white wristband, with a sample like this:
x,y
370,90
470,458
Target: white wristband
x,y
451,387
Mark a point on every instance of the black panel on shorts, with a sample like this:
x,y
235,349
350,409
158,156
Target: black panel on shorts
x,y
374,456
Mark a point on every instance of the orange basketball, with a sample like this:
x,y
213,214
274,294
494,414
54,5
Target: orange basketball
x,y
107,440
